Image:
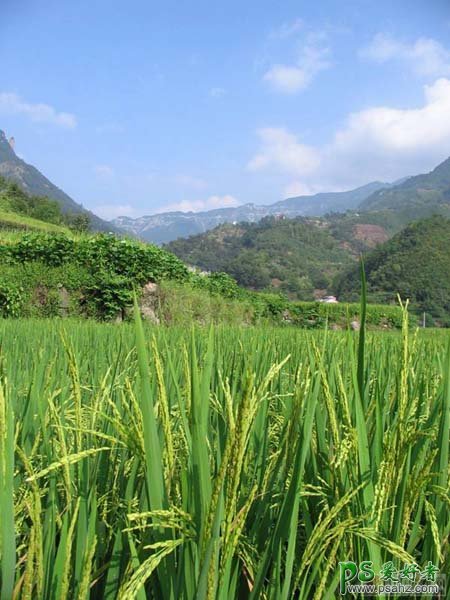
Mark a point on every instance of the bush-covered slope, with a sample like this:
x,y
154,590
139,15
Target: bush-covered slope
x,y
96,273
415,263
44,275
294,256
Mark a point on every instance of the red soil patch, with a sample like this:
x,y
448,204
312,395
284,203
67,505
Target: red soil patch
x,y
372,235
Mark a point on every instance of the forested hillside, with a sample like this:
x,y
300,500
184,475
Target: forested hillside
x,y
416,197
299,257
415,264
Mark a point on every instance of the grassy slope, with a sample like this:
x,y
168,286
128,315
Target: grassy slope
x,y
11,221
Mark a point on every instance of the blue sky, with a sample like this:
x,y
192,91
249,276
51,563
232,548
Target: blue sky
x,y
138,107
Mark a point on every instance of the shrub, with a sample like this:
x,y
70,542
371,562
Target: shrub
x,y
220,284
107,296
128,258
11,300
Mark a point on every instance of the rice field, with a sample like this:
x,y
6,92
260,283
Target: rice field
x,y
222,463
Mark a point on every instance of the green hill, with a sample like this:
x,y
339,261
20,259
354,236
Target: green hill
x,y
19,211
416,197
299,257
306,258
415,263
34,183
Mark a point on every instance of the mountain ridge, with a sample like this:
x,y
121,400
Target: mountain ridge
x,y
416,192
165,227
33,182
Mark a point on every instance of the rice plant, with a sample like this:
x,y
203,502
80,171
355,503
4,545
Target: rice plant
x,y
140,462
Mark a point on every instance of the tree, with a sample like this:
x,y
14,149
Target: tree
x,y
45,209
79,222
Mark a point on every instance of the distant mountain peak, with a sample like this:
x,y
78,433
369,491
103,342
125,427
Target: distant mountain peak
x,y
7,151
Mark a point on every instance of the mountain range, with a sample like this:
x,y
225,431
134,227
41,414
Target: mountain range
x,y
395,203
303,256
389,205
415,194
164,227
35,183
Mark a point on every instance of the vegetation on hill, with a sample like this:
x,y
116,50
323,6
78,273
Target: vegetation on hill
x,y
35,184
303,257
415,263
15,222
298,257
24,211
98,273
47,275
416,197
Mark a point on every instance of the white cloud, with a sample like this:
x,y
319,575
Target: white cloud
x,y
280,150
314,57
111,211
195,183
287,79
381,143
401,130
199,205
217,92
12,104
104,172
426,56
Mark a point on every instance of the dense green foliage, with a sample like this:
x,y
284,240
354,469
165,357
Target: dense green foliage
x,y
136,261
302,257
299,257
294,256
415,263
90,275
14,200
58,275
240,463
